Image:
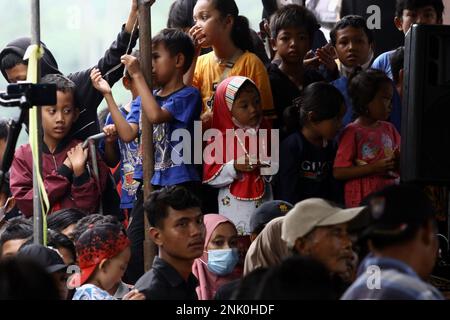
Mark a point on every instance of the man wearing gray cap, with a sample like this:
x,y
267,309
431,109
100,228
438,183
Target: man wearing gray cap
x,y
318,229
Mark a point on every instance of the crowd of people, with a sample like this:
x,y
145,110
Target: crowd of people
x,y
296,193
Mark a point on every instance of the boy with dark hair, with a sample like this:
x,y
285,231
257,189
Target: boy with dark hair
x,y
353,43
65,172
15,234
14,69
407,13
177,229
404,245
292,29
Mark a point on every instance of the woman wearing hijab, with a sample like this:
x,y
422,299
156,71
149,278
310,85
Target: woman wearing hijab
x,y
217,266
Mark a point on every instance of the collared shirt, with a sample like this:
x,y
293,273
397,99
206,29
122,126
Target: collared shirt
x,y
381,278
163,282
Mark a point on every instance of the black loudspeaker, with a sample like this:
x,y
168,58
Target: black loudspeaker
x,y
425,149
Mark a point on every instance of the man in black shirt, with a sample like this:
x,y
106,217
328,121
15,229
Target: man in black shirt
x,y
177,229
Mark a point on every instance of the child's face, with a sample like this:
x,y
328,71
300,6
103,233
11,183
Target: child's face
x,y
424,15
182,236
247,107
208,19
292,44
352,46
114,269
381,106
329,128
164,64
57,120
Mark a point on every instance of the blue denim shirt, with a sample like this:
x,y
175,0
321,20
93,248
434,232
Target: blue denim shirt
x,y
381,278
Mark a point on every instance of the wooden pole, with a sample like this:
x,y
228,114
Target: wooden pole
x,y
145,49
38,232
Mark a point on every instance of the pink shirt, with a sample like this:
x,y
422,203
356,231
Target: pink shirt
x,y
361,145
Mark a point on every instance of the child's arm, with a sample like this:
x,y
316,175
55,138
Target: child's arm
x,y
112,152
154,113
198,36
379,167
127,131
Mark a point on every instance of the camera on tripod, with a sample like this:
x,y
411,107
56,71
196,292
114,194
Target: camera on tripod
x,y
26,95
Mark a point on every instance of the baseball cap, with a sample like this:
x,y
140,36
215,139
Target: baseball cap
x,y
46,257
99,242
266,212
311,213
397,208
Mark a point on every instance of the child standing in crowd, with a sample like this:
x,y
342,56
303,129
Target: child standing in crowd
x,y
217,265
353,42
103,253
292,30
65,172
306,157
369,149
218,25
173,106
128,150
237,171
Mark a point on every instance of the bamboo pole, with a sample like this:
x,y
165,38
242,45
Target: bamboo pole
x,y
145,49
38,232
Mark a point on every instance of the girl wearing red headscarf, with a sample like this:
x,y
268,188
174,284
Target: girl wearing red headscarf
x,y
217,266
237,153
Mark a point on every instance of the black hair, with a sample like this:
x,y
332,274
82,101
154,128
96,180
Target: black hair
x,y
55,240
322,99
246,86
297,278
58,240
15,230
21,278
240,34
4,129
176,197
92,219
363,87
11,60
354,21
102,114
293,16
401,5
176,41
62,83
61,219
397,59
180,14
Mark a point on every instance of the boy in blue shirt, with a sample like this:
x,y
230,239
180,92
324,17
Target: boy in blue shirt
x,y
173,106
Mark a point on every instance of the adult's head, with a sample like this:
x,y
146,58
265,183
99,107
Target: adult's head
x,y
176,223
403,227
318,229
13,66
51,260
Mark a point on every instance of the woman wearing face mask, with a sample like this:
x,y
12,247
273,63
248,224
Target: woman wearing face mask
x,y
217,266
